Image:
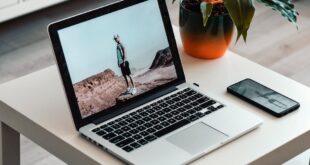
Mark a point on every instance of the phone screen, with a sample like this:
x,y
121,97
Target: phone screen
x,y
263,96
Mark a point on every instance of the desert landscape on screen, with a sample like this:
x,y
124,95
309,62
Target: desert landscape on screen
x,y
106,89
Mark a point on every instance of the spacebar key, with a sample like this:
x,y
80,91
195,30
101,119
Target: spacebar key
x,y
171,128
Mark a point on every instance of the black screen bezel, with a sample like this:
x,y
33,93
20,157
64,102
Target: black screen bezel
x,y
64,72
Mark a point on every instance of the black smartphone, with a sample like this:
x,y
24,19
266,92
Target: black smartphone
x,y
263,97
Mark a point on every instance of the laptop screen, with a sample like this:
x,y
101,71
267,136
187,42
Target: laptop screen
x,y
115,57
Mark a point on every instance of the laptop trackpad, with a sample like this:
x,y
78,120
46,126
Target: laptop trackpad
x,y
197,138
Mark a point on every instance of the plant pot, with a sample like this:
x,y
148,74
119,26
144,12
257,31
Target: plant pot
x,y
210,41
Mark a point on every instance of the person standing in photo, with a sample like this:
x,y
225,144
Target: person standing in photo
x,y
124,65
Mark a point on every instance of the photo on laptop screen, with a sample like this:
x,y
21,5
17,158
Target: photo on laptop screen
x,y
118,56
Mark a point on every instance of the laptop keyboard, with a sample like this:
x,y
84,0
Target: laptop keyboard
x,y
157,119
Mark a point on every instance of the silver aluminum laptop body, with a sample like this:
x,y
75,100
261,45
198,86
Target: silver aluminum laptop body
x,y
188,143
180,146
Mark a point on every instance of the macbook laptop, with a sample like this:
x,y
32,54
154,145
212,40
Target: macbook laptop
x,y
127,91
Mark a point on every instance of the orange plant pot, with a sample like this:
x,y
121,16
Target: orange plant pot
x,y
207,42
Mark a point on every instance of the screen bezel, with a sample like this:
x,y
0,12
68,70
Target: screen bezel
x,y
64,72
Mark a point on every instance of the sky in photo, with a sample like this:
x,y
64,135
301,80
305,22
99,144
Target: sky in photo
x,y
89,47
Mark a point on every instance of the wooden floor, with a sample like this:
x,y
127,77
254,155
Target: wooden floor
x,y
272,42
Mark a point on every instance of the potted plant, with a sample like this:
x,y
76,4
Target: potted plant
x,y
206,26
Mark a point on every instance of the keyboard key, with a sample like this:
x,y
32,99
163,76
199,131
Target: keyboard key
x,y
186,101
119,119
122,123
100,133
126,134
167,110
108,129
153,116
183,96
118,131
133,113
163,105
151,130
150,138
160,101
188,106
170,102
144,133
162,118
165,124
158,127
137,137
155,122
117,139
178,117
130,120
148,125
208,103
171,121
181,109
185,114
180,104
168,115
125,117
109,136
220,106
141,128
157,108
125,142
103,126
125,128
139,122
199,114
160,113
173,107
176,99
175,112
133,125
146,119
211,108
111,123
135,145
198,108
202,100
134,131
137,117
192,118
153,104
150,111
190,93
144,114
96,130
191,111
128,148
171,128
142,141
115,126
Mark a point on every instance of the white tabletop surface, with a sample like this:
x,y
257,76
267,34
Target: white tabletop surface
x,y
40,97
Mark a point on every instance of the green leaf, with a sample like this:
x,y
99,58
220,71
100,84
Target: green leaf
x,y
206,10
285,7
241,12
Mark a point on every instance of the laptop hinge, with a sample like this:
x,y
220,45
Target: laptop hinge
x,y
134,105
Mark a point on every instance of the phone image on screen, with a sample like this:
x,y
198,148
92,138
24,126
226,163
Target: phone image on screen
x,y
263,97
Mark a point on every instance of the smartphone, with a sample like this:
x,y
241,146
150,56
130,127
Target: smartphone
x,y
263,97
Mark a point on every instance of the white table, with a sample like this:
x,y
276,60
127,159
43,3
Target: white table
x,y
38,109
